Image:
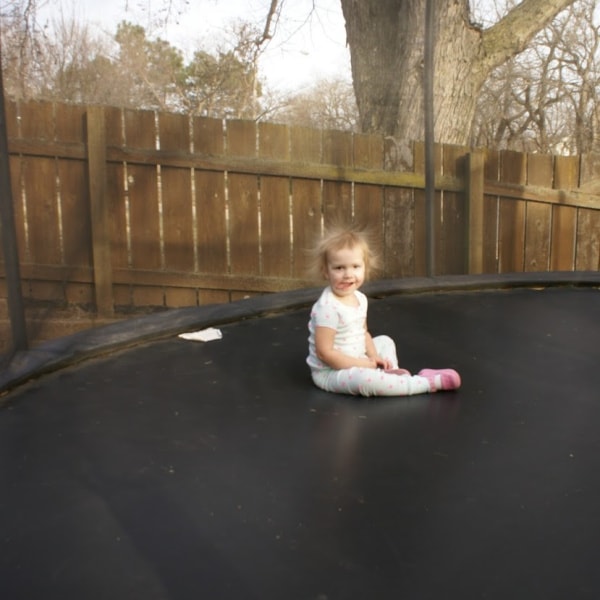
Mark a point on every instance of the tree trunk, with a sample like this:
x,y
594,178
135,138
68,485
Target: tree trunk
x,y
386,39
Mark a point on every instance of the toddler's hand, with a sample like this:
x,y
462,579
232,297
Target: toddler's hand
x,y
382,363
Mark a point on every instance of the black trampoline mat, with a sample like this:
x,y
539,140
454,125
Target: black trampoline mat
x,y
180,469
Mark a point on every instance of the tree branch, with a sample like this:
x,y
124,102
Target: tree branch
x,y
267,34
512,33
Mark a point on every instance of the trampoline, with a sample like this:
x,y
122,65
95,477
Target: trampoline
x,y
136,464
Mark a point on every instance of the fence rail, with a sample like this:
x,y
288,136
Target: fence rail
x,y
123,208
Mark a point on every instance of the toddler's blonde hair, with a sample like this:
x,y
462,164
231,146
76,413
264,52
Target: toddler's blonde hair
x,y
337,237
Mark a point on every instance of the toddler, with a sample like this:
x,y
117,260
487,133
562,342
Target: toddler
x,y
343,357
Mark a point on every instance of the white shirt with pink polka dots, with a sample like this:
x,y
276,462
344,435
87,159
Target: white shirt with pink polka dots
x,y
349,323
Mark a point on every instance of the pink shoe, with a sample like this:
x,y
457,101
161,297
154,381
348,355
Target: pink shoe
x,y
398,371
441,379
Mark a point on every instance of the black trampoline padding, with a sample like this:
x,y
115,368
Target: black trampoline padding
x,y
180,469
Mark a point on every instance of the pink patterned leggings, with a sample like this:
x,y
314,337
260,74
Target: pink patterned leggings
x,y
360,381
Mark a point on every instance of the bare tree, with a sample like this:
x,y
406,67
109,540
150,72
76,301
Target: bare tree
x,y
545,99
22,52
76,67
327,104
579,65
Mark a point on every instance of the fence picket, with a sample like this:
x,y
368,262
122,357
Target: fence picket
x,y
491,215
208,136
98,213
242,202
211,209
75,213
69,122
399,233
211,222
243,224
142,194
368,210
144,217
37,121
306,219
513,169
369,199
178,222
538,219
273,141
307,199
305,145
276,238
337,202
452,256
72,178
337,148
588,221
368,151
118,202
564,218
588,235
117,199
420,234
43,213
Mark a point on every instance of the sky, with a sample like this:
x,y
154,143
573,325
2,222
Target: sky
x,y
308,45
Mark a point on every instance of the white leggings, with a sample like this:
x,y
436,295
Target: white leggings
x,y
360,381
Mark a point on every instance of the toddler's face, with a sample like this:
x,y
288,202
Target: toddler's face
x,y
345,271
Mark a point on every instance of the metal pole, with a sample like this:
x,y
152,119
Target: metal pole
x,y
428,72
9,238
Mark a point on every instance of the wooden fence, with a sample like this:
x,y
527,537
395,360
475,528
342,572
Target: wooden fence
x,y
123,208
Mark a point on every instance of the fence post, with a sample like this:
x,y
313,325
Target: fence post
x,y
8,234
99,211
474,189
428,76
